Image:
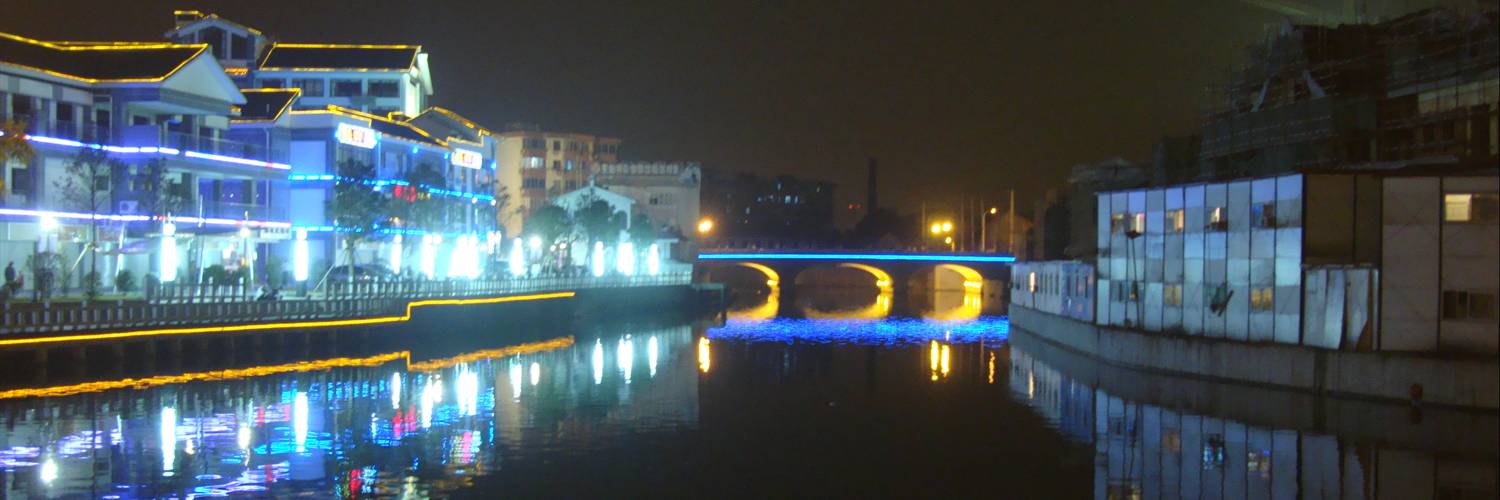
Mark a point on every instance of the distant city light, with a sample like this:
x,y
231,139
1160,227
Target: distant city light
x,y
395,257
625,258
705,225
855,257
653,260
597,264
517,259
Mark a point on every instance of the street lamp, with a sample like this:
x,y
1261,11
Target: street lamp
x,y
705,225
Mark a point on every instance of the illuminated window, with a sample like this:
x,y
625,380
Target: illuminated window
x,y
1117,223
1218,220
1262,298
533,162
1471,207
1175,220
1031,280
1171,294
1465,304
1138,222
272,83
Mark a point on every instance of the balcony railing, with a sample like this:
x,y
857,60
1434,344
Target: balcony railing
x,y
145,136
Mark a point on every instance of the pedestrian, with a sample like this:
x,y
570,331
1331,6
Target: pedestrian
x,y
10,273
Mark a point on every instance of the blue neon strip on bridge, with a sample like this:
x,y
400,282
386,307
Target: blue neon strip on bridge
x,y
857,256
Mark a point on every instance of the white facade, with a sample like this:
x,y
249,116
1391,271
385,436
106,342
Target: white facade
x,y
668,193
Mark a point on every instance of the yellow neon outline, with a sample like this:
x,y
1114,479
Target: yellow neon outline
x,y
206,17
274,46
284,107
200,46
459,118
298,367
284,325
340,110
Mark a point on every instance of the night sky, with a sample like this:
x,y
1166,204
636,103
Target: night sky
x,y
973,98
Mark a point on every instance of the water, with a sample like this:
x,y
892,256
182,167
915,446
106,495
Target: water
x,y
838,403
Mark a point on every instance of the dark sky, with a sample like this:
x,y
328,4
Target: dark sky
x,y
951,97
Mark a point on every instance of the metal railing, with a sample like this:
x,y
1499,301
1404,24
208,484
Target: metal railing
x,y
206,305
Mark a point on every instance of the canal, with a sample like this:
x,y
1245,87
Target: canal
x,y
838,395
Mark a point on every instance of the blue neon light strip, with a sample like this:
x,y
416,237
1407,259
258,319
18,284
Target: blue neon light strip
x,y
157,150
857,256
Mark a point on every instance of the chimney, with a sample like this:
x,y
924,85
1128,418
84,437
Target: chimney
x,y
870,189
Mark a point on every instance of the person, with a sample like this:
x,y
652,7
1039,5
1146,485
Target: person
x,y
10,273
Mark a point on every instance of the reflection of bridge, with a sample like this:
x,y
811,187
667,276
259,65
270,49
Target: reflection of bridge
x,y
890,272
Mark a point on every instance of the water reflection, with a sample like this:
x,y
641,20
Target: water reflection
x,y
1146,450
379,426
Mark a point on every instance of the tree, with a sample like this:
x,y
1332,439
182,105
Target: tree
x,y
158,195
356,207
600,221
548,222
642,230
13,145
85,188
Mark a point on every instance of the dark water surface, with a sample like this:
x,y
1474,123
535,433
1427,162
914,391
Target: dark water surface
x,y
849,404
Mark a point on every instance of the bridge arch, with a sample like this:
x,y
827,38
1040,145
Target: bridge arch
x,y
973,280
882,279
773,278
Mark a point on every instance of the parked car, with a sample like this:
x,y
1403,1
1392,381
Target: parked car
x,y
364,273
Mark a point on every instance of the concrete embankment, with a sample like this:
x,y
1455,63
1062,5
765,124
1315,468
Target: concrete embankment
x,y
1471,383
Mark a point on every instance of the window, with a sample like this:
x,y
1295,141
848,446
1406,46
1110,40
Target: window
x,y
1263,215
533,162
1171,294
568,165
556,165
272,83
1175,220
311,87
534,143
1031,282
239,47
557,145
1218,219
1465,304
1117,223
64,112
1262,298
347,88
1471,207
20,181
1138,223
384,88
533,183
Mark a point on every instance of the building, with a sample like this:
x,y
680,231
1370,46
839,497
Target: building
x,y
375,79
551,163
1370,261
750,210
668,193
163,114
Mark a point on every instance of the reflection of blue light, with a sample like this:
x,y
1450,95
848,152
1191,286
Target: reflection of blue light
x,y
857,256
888,332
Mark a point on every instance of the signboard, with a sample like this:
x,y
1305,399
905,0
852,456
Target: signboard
x,y
467,159
359,137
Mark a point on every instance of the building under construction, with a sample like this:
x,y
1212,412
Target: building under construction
x,y
1417,90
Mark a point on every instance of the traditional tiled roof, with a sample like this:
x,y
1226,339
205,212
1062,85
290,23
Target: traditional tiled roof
x,y
266,104
329,57
97,61
385,126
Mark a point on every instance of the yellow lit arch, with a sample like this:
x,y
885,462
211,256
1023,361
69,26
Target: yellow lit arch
x,y
973,281
882,278
878,309
773,279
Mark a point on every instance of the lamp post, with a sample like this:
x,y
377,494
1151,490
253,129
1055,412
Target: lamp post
x,y
944,228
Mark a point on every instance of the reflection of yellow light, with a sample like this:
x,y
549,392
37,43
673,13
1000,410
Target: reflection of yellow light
x,y
704,360
764,311
287,325
968,308
305,366
944,367
878,309
1030,385
992,367
933,354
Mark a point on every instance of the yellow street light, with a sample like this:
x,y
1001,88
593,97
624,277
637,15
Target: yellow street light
x,y
948,240
937,228
705,225
994,210
947,226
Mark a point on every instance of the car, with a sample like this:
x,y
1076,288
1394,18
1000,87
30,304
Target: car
x,y
365,273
